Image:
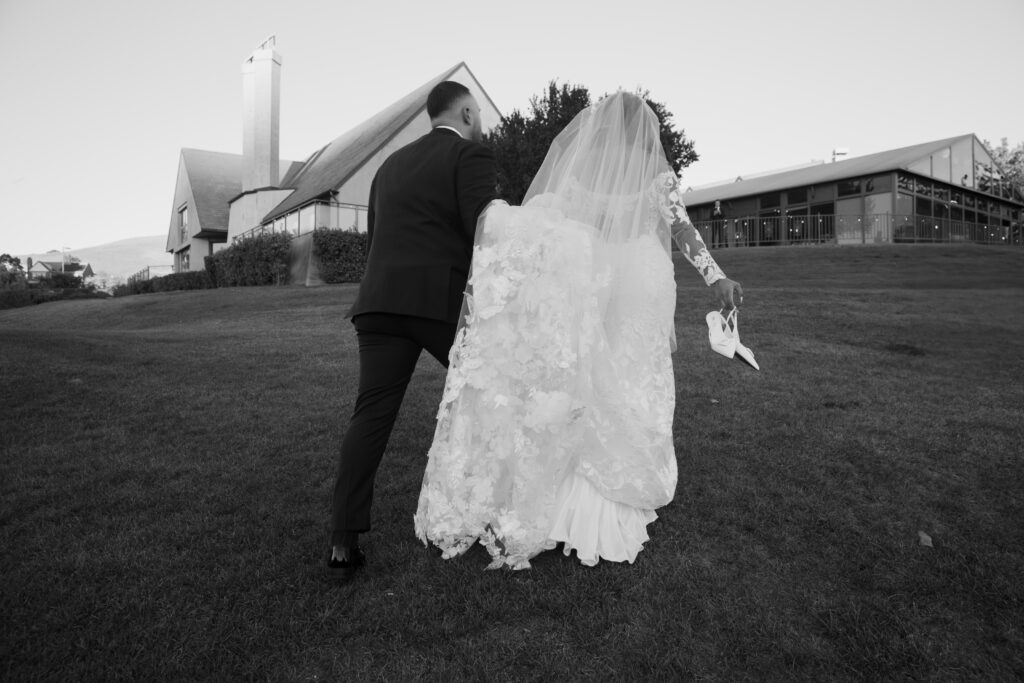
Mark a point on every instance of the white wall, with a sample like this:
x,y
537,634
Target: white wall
x,y
248,210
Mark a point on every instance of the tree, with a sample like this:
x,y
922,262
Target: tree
x,y
520,142
12,275
1011,161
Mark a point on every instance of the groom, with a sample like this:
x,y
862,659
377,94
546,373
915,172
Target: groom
x,y
424,204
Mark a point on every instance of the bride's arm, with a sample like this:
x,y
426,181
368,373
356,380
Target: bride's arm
x,y
691,244
685,236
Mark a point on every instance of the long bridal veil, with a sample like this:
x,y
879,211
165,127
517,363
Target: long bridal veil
x,y
606,170
557,410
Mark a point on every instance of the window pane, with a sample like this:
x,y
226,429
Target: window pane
x,y
962,164
307,218
769,201
848,187
880,183
904,204
923,206
923,188
940,164
797,196
905,182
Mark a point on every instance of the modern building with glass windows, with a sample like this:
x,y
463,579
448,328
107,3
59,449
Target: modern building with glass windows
x,y
944,191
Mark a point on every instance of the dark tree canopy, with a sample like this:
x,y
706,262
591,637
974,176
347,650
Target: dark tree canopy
x,y
520,142
8,262
1010,160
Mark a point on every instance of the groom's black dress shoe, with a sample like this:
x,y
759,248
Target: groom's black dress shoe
x,y
351,560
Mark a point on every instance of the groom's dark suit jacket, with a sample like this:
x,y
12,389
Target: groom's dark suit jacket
x,y
424,203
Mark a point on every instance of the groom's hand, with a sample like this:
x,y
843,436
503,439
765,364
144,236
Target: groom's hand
x,y
728,293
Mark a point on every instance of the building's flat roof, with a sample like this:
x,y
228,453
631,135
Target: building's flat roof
x,y
881,162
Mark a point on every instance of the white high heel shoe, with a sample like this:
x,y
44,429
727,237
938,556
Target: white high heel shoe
x,y
724,335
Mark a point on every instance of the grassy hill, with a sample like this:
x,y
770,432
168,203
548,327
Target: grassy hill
x,y
116,259
166,463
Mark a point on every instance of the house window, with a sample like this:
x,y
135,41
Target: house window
x,y
183,225
183,261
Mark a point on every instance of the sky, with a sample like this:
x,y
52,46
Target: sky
x,y
99,97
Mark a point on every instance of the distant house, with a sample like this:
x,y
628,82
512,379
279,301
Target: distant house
x,y
220,198
42,269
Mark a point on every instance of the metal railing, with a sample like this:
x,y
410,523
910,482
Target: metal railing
x,y
753,231
150,272
342,217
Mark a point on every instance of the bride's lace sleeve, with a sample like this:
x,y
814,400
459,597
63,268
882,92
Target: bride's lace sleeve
x,y
684,234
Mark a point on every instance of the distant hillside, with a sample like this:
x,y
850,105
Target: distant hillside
x,y
116,259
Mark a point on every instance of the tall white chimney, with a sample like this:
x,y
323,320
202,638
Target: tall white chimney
x,y
261,103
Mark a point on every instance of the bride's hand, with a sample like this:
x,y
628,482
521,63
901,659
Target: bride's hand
x,y
728,293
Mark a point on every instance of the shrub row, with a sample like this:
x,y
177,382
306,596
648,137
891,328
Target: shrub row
x,y
259,260
340,254
16,298
264,260
197,279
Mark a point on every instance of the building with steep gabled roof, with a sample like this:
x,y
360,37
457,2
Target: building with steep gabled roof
x,y
220,198
207,181
343,169
947,190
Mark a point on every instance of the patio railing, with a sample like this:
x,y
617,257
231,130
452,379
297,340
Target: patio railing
x,y
342,217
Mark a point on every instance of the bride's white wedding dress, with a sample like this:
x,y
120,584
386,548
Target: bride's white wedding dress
x,y
556,421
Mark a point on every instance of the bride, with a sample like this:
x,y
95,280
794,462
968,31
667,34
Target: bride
x,y
556,421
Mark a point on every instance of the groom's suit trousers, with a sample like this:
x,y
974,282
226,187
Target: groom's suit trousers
x,y
389,347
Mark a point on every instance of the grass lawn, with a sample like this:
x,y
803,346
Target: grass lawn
x,y
166,463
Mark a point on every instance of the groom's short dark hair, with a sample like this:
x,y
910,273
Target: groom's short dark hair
x,y
443,96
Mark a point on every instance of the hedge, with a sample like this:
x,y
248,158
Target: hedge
x,y
340,254
259,260
16,298
197,279
265,260
194,279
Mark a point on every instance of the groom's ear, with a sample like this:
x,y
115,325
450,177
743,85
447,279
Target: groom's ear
x,y
467,115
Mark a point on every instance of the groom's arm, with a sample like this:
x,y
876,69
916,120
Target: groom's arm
x,y
476,180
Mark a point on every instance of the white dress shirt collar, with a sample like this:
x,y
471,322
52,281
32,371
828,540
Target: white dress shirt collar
x,y
451,129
